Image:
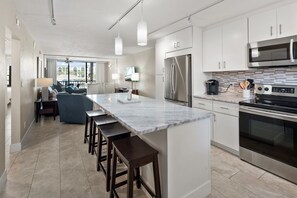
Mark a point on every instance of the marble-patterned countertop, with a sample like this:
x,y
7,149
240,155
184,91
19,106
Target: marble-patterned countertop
x,y
225,97
147,116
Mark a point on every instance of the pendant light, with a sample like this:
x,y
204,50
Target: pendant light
x,y
142,30
118,45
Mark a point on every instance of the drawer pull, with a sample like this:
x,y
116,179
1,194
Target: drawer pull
x,y
201,104
225,108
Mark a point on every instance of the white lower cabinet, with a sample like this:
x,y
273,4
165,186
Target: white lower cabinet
x,y
226,130
225,122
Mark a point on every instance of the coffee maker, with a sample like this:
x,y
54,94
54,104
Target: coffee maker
x,y
212,87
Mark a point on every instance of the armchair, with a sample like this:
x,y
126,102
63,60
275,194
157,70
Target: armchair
x,y
72,107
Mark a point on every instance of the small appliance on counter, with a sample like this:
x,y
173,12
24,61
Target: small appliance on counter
x,y
212,87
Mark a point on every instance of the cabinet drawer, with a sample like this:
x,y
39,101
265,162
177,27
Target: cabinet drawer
x,y
202,104
226,108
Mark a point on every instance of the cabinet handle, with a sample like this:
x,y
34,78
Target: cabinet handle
x,y
225,108
163,78
280,29
201,104
219,65
271,31
224,64
175,44
178,44
214,118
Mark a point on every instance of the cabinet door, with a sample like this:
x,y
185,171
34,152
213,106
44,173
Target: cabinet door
x,y
160,56
226,130
159,80
262,26
212,50
286,18
179,40
235,39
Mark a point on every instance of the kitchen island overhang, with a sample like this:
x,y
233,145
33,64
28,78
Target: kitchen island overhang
x,y
180,134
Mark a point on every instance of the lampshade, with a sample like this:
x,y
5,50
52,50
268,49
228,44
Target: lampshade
x,y
44,82
142,33
135,77
118,45
114,76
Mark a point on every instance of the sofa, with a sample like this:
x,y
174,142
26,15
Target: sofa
x,y
71,90
73,107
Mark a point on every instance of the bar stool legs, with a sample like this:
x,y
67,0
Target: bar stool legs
x,y
134,153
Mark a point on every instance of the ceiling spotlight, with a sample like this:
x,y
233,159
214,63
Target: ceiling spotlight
x,y
142,30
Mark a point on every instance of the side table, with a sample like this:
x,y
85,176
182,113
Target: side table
x,y
46,108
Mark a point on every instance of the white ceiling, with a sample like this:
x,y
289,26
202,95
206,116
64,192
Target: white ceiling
x,y
82,25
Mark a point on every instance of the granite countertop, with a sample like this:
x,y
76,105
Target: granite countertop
x,y
149,115
225,97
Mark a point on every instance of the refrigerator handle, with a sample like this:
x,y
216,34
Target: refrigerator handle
x,y
175,78
170,78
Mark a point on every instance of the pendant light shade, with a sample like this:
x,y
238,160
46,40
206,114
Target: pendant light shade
x,y
118,47
142,30
142,33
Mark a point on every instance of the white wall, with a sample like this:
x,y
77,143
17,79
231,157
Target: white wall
x,y
145,64
25,82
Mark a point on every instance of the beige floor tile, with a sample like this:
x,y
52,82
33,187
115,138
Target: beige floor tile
x,y
215,194
287,188
46,183
259,188
56,163
229,188
220,166
237,163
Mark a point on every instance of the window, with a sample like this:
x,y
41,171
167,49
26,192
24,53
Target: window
x,y
9,76
75,73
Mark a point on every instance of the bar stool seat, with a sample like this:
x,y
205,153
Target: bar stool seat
x,y
134,153
100,121
110,133
89,118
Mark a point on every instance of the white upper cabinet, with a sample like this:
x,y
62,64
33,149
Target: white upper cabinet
x,y
212,50
235,39
224,47
286,19
262,26
276,23
179,40
160,51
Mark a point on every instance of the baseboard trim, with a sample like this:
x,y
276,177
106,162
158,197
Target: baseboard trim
x,y
15,147
3,179
202,191
18,146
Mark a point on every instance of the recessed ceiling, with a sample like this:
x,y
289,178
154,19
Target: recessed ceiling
x,y
82,25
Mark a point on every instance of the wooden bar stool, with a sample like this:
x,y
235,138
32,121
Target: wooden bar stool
x,y
134,153
99,121
110,133
90,115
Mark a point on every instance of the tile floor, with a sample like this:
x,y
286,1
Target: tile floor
x,y
55,163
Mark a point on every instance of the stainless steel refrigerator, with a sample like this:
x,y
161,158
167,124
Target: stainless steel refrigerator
x,y
178,80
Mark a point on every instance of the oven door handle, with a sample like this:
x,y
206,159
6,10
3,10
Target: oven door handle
x,y
292,50
271,114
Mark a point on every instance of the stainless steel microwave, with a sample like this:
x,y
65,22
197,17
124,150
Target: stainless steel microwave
x,y
273,53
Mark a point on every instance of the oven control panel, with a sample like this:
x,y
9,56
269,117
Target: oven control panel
x,y
283,90
279,90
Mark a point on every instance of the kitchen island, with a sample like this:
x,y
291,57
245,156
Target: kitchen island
x,y
180,134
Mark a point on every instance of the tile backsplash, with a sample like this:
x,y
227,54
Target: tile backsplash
x,y
281,75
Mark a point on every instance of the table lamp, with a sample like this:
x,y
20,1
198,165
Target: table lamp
x,y
44,83
134,78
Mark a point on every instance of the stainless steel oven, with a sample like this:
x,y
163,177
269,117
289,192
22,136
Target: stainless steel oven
x,y
276,52
268,131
